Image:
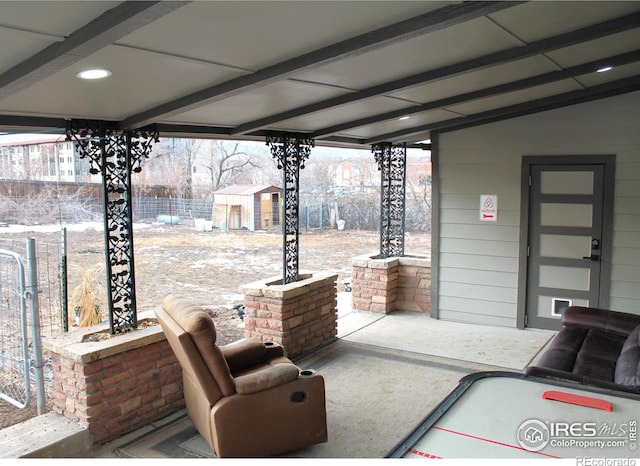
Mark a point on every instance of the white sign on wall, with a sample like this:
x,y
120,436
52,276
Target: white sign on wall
x,y
488,207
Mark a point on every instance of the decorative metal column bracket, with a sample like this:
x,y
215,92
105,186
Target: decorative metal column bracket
x,y
290,151
115,154
391,161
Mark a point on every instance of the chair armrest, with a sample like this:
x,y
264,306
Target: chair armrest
x,y
244,353
265,379
620,323
249,352
274,350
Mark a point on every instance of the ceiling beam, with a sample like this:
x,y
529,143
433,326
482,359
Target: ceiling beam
x,y
601,91
13,123
545,78
95,35
342,141
516,53
403,30
167,128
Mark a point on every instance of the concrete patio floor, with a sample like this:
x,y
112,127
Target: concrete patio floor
x,y
382,376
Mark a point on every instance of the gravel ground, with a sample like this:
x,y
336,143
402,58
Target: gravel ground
x,y
208,267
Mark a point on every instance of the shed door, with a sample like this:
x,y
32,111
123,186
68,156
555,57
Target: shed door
x,y
565,244
275,208
235,217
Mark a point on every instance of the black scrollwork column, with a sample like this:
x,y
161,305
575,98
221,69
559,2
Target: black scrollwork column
x,y
391,161
290,151
115,155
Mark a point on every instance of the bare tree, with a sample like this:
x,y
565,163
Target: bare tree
x,y
189,153
318,176
172,163
267,171
196,167
418,199
226,161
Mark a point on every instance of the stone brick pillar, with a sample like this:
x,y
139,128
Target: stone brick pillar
x,y
116,384
394,283
374,284
414,285
300,316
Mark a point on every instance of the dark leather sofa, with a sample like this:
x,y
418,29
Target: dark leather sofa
x,y
596,347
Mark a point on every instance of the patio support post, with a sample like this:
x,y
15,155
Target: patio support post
x,y
290,152
391,161
115,155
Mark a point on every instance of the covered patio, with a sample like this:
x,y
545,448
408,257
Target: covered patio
x,y
385,76
401,358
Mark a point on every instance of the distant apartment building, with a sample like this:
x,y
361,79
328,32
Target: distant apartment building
x,y
350,177
43,158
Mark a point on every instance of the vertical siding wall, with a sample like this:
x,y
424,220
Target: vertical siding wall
x,y
478,261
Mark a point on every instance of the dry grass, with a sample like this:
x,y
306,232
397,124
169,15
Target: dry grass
x,y
83,301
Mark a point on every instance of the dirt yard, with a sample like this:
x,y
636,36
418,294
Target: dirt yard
x,y
208,267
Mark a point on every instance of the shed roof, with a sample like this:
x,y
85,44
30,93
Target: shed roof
x,y
247,189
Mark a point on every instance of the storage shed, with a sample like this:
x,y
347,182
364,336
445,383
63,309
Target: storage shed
x,y
252,207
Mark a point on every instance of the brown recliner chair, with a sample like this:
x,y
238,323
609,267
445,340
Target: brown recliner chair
x,y
246,398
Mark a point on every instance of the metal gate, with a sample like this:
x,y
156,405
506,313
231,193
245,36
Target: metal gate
x,y
20,357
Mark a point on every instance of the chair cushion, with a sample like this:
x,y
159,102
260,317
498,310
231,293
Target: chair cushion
x,y
268,377
244,353
628,365
200,327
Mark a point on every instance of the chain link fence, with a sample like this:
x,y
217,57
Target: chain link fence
x,y
20,350
49,270
150,209
72,209
360,212
13,331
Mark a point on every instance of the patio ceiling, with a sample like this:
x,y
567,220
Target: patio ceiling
x,y
345,73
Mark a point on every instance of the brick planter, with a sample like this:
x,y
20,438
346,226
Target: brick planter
x,y
387,285
300,316
116,385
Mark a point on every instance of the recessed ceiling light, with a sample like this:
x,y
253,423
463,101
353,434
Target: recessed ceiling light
x,y
94,74
605,68
406,117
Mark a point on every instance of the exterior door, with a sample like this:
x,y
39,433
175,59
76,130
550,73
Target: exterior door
x,y
235,217
566,241
275,208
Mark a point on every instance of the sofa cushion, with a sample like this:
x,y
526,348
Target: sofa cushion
x,y
599,355
586,352
564,349
628,365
